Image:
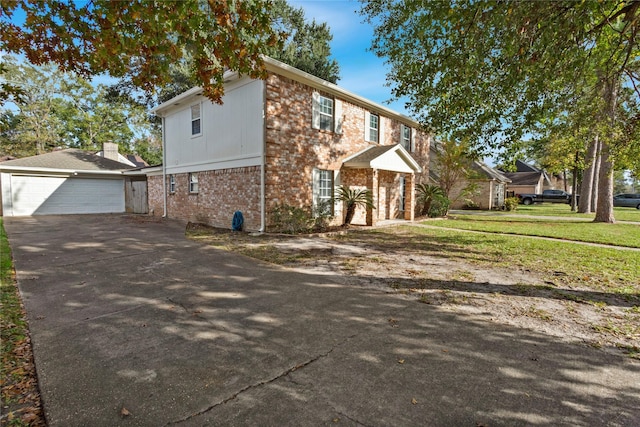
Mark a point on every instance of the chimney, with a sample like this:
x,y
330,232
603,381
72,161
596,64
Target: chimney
x,y
110,151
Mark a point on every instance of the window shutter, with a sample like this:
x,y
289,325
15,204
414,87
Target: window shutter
x,y
367,124
315,120
315,187
338,118
413,140
380,130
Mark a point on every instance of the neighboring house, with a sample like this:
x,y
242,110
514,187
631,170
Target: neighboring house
x,y
292,139
67,181
529,179
525,182
486,186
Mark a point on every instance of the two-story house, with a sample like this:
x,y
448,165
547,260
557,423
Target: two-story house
x,y
291,138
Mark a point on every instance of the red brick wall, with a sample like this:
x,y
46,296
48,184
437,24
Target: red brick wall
x,y
220,194
294,148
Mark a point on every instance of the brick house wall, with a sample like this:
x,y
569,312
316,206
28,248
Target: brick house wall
x,y
294,148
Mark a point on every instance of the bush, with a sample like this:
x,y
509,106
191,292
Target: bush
x,y
439,207
290,219
511,203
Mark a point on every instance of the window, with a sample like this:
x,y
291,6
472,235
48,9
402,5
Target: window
x,y
322,112
403,189
196,125
323,190
405,137
172,183
374,127
193,183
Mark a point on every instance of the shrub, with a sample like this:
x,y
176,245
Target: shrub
x,y
290,219
511,203
439,207
427,193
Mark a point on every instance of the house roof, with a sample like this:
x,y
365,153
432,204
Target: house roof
x,y
524,178
71,159
280,68
489,172
524,167
385,157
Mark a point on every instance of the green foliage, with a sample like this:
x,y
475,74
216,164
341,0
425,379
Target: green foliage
x,y
511,203
427,193
352,198
322,215
439,207
142,40
59,109
307,45
285,218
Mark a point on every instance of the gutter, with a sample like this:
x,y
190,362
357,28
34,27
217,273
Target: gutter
x,y
164,171
263,202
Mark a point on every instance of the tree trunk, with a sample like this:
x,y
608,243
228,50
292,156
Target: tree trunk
x,y
596,177
586,188
351,210
574,186
604,211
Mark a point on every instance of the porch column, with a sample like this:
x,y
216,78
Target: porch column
x,y
410,197
372,185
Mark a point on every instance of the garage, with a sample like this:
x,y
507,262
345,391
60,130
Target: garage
x,y
64,182
49,195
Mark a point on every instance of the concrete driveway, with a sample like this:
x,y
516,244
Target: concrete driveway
x,y
129,317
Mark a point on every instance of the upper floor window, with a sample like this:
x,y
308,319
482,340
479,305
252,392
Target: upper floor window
x,y
405,137
323,112
193,182
374,128
196,120
172,183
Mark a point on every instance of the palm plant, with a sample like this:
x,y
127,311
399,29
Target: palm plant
x,y
427,193
353,198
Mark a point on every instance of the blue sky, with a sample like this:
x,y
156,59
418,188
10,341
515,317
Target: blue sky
x,y
361,71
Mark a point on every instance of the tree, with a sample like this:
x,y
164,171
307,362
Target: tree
x,y
427,194
306,46
353,198
141,39
63,110
494,71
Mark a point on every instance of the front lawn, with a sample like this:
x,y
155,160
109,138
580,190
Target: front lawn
x,y
619,234
564,210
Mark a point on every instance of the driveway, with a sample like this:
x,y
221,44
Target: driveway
x,y
132,324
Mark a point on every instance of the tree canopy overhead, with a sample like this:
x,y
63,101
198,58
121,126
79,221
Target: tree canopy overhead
x,y
140,39
495,71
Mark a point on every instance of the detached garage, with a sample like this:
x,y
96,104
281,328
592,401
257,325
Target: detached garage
x,y
62,182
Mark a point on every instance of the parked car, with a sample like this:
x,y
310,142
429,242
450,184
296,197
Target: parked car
x,y
627,200
550,196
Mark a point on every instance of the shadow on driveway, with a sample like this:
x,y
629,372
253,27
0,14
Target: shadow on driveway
x,y
125,313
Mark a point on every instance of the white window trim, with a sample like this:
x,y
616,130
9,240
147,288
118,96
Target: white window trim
x,y
317,114
193,183
317,198
199,105
172,183
411,147
367,128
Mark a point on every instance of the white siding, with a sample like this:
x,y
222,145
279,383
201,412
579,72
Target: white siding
x,y
232,133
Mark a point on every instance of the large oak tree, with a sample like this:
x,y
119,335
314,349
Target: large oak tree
x,y
495,71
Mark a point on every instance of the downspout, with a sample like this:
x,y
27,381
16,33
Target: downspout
x,y
263,204
164,170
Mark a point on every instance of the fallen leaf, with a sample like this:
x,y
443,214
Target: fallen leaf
x,y
125,412
401,361
445,351
414,401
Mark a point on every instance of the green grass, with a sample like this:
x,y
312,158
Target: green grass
x,y
564,210
601,268
619,234
20,399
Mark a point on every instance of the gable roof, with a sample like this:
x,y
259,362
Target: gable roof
x,y
524,167
69,160
489,172
385,157
524,178
280,68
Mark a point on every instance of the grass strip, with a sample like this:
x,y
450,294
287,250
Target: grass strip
x,y
619,234
21,404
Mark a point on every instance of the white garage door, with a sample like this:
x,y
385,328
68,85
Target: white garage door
x,y
40,195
